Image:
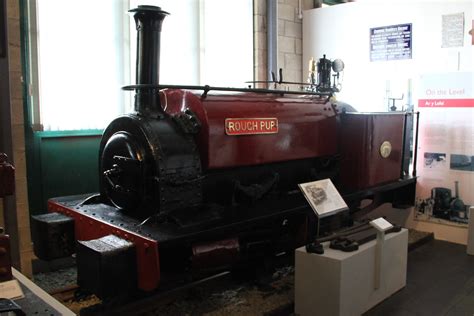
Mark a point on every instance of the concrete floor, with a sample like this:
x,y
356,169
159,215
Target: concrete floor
x,y
440,281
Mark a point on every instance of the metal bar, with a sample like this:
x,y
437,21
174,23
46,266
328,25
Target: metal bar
x,y
345,234
415,154
281,82
344,231
272,36
402,167
6,144
360,238
206,89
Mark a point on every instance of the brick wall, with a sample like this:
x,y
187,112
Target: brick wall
x,y
18,135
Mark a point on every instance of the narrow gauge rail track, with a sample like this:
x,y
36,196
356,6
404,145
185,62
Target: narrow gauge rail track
x,y
65,294
224,293
137,305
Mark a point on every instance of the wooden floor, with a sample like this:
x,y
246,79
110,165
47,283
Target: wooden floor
x,y
440,281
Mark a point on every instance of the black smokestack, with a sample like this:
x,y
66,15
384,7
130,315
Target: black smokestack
x,y
148,20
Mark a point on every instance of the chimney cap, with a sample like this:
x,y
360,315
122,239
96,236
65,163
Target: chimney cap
x,y
148,8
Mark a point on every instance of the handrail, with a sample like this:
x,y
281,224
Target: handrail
x,y
207,88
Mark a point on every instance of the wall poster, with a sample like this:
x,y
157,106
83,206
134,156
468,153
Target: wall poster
x,y
452,30
392,42
445,187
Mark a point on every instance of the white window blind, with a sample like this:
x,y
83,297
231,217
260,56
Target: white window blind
x,y
86,52
227,42
205,42
81,62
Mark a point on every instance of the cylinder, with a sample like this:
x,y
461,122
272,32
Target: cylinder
x,y
148,21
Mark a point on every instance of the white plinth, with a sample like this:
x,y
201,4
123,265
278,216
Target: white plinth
x,y
342,283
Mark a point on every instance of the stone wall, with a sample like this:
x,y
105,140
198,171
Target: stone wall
x,y
260,39
18,134
290,35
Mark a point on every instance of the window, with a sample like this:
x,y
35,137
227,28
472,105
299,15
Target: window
x,y
83,51
226,40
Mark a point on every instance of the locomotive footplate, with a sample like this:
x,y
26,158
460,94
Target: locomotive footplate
x,y
152,240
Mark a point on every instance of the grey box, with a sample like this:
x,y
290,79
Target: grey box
x,y
107,266
53,236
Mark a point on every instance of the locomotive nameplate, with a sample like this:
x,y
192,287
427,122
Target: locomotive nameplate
x,y
251,126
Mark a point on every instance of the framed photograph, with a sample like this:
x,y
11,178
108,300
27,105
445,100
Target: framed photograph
x,y
323,197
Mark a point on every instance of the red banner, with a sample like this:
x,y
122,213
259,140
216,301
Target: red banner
x,y
251,126
446,103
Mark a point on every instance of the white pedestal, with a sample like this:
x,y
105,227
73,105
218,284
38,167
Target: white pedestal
x,y
342,283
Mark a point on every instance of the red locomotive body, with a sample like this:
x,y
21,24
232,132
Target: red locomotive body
x,y
371,149
306,127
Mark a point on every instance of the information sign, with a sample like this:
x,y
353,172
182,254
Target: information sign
x,y
392,42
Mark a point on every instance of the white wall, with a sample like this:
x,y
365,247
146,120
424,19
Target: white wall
x,y
343,31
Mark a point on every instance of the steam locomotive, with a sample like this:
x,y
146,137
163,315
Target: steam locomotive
x,y
206,178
